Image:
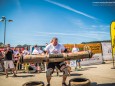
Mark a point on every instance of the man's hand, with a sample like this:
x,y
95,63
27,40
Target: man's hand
x,y
6,50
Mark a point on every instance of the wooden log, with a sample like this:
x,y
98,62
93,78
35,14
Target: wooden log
x,y
56,57
33,58
78,55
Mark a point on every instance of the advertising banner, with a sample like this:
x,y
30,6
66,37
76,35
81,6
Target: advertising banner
x,y
73,63
94,47
106,50
112,34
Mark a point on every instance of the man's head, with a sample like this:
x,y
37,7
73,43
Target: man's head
x,y
74,46
8,45
26,48
46,44
14,48
35,46
54,41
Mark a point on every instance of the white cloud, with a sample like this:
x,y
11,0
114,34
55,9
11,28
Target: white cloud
x,y
83,34
18,4
101,26
71,9
44,37
99,32
79,23
84,25
94,26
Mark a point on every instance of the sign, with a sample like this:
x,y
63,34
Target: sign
x,y
73,63
94,47
96,59
107,51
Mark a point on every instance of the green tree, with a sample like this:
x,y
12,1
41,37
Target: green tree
x,y
1,44
19,45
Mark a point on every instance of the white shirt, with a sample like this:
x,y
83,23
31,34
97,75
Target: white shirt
x,y
15,52
54,49
37,51
75,50
25,52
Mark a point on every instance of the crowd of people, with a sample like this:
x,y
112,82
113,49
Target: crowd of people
x,y
11,59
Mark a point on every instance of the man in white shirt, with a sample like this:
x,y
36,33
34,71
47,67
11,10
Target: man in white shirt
x,y
37,50
55,48
26,51
15,52
74,50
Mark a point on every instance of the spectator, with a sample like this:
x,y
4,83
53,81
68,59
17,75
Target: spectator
x,y
8,60
1,55
37,50
15,51
25,52
46,44
1,60
74,50
18,65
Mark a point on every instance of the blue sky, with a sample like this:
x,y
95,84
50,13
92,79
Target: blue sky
x,y
72,21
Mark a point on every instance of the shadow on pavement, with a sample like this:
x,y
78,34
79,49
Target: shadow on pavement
x,y
24,76
1,73
86,68
75,74
112,84
105,84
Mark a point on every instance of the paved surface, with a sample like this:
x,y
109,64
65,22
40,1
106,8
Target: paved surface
x,y
99,75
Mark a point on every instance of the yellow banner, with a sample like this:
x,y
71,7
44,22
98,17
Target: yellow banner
x,y
113,38
94,47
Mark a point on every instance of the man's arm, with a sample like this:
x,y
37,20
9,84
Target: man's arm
x,y
12,55
62,49
46,49
1,55
78,49
5,52
72,50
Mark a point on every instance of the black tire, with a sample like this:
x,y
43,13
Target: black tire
x,y
33,83
79,82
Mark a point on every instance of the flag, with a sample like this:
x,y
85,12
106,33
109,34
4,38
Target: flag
x,y
112,31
